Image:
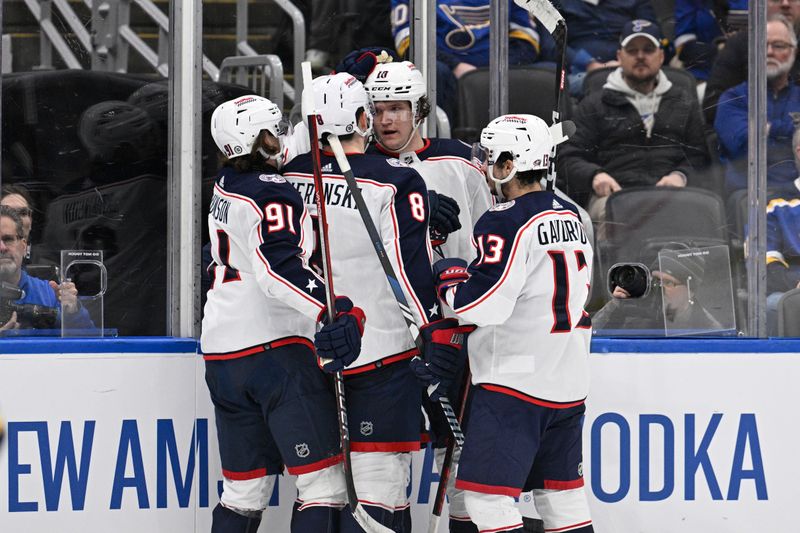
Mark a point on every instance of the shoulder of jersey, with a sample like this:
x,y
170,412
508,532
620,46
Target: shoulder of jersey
x,y
451,147
259,186
300,163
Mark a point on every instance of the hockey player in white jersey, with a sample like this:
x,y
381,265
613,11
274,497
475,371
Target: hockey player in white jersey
x,y
399,95
383,397
273,406
529,355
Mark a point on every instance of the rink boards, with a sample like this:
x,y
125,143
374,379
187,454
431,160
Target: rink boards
x,y
118,435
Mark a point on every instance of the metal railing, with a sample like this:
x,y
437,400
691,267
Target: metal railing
x,y
111,39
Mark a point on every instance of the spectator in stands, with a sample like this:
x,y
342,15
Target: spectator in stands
x,y
640,130
730,66
62,297
783,242
594,30
700,27
462,31
731,122
17,198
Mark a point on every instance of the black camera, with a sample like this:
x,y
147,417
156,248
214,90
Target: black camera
x,y
634,278
28,315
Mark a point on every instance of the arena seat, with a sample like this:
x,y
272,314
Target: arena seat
x,y
789,314
530,90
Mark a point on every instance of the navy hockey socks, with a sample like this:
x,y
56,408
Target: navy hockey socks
x,y
349,524
318,519
226,521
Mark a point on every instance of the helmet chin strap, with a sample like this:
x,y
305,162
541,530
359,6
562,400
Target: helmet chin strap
x,y
498,183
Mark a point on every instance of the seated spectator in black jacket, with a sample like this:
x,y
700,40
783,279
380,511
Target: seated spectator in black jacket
x,y
640,130
730,66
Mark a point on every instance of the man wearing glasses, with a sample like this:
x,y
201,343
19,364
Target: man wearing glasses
x,y
783,99
62,298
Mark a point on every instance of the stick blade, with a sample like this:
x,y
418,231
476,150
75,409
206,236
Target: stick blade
x,y
367,523
544,11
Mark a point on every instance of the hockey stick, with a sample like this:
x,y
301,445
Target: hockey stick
x,y
391,277
546,13
369,524
452,455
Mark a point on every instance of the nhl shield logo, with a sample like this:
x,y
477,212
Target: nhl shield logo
x,y
366,428
302,450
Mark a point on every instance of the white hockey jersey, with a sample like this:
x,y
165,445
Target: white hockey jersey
x,y
526,293
447,168
262,288
397,201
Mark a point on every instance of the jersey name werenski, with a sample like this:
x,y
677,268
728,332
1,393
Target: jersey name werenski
x,y
219,208
335,194
554,231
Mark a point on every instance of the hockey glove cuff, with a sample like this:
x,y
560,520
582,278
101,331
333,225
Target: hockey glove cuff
x,y
442,355
361,63
448,273
339,344
443,218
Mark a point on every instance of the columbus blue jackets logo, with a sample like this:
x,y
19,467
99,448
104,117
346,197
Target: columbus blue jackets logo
x,y
396,163
503,206
274,178
366,428
302,450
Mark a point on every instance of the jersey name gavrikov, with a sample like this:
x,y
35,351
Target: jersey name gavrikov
x,y
554,231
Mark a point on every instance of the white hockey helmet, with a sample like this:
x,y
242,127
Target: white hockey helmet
x,y
526,137
337,99
235,124
397,81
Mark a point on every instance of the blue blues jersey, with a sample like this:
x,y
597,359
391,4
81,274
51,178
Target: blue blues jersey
x,y
262,287
462,28
526,293
39,292
783,243
397,201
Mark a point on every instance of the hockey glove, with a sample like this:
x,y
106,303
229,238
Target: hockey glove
x,y
442,355
360,63
448,273
338,344
443,219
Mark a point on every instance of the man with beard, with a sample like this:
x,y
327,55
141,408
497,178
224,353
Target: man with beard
x,y
640,130
730,66
784,98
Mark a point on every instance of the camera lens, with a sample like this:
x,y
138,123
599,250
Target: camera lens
x,y
632,278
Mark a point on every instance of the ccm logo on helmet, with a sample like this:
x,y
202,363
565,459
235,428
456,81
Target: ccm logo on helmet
x,y
517,120
245,100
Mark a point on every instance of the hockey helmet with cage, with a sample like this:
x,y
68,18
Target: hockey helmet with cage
x,y
236,124
397,82
526,137
337,99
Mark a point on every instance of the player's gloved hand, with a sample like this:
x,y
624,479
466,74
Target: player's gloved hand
x,y
443,219
442,355
447,273
360,63
339,343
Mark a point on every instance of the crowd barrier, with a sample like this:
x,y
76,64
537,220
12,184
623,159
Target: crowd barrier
x,y
118,435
